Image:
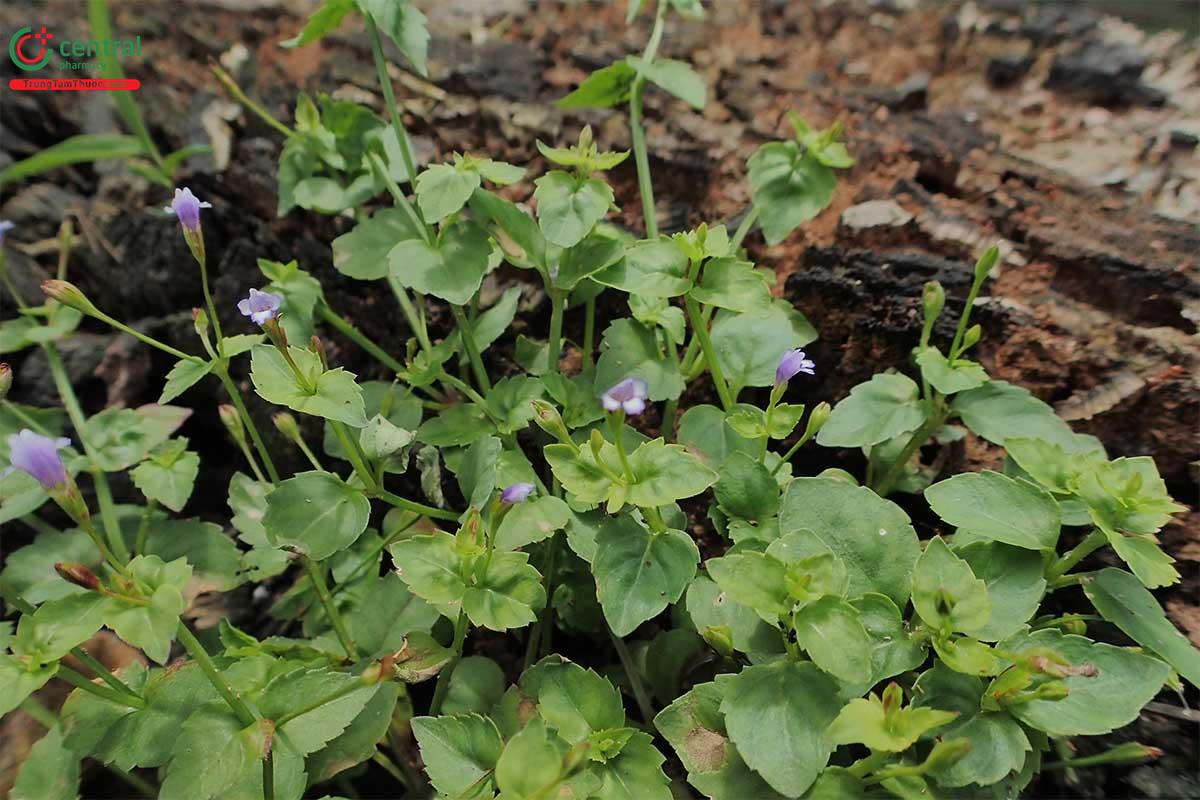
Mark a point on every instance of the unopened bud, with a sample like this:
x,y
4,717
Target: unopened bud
x,y
232,421
1127,753
893,698
817,419
547,418
586,137
200,321
470,538
719,638
286,424
985,263
933,298
972,337
68,294
317,346
6,380
1051,690
77,574
379,671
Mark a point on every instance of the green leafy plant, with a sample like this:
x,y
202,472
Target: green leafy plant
x,y
822,649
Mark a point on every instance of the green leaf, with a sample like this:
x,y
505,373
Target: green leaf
x,y
714,613
215,757
654,268
507,595
241,343
789,187
830,631
996,507
872,536
733,284
664,473
315,513
443,189
777,714
130,737
531,521
950,378
49,772
381,440
1123,682
404,24
82,148
946,592
998,410
695,727
391,400
386,614
459,751
336,396
756,580
476,472
451,268
569,207
151,626
746,488
638,573
518,234
576,702
29,571
19,679
1015,586
357,743
50,632
1050,464
893,649
691,9
121,437
476,685
998,747
705,431
313,729
872,722
491,324
630,350
322,22
676,77
510,402
1122,600
1145,558
363,252
635,773
168,475
883,408
658,312
531,761
185,374
1127,495
604,88
749,346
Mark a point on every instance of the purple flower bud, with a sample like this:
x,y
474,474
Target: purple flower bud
x,y
262,307
38,456
5,227
628,395
186,206
793,361
517,493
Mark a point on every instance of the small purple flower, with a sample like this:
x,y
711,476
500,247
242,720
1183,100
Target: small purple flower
x,y
517,493
262,307
6,225
628,395
38,456
793,362
186,206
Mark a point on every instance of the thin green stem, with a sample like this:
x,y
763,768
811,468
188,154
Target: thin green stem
x,y
142,337
554,341
1090,543
743,229
589,330
352,455
468,339
416,322
635,679
443,679
895,469
616,422
389,100
700,329
137,782
200,656
317,575
358,337
268,776
636,131
418,508
202,260
390,768
235,397
139,542
103,672
39,712
79,682
38,524
226,80
791,452
75,412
